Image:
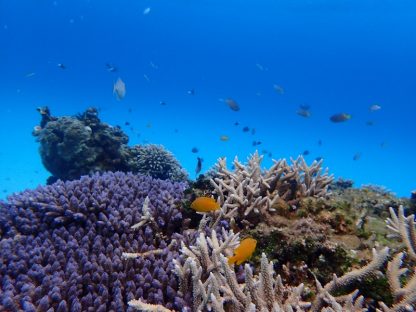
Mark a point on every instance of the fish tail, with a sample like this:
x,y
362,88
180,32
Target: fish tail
x,y
232,260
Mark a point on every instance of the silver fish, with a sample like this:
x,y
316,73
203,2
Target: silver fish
x,y
119,89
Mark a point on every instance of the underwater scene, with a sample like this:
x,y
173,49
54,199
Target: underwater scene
x,y
206,155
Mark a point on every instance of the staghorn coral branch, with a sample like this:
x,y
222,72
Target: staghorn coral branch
x,y
142,306
254,191
404,228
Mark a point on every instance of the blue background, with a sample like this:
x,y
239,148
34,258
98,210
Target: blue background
x,y
336,56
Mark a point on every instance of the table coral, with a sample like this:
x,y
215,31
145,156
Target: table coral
x,y
61,246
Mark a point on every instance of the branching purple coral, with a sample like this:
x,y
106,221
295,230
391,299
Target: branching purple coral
x,y
61,246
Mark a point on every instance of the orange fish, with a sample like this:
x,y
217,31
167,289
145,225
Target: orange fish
x,y
243,251
205,204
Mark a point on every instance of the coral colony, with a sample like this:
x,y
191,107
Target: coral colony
x,y
109,240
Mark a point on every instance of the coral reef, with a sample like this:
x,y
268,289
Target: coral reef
x,y
62,246
156,161
249,192
74,146
214,284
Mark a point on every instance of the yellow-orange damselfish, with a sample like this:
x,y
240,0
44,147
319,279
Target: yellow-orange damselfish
x,y
243,251
205,204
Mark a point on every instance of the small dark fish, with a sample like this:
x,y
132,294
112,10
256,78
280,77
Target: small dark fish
x,y
198,165
306,153
194,150
191,92
246,129
340,117
304,113
319,158
253,131
130,110
176,130
61,66
162,103
111,68
127,123
255,143
305,107
232,104
370,123
236,123
278,89
357,156
320,142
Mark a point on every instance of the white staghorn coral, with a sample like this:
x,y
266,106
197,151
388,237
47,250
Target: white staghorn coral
x,y
215,285
404,228
250,189
142,306
404,296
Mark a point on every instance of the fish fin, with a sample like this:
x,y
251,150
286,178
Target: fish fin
x,y
232,260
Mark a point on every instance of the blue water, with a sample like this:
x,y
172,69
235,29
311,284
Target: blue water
x,y
336,56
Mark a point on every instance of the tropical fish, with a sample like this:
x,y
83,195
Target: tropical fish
x,y
261,67
119,89
278,89
305,107
205,204
111,68
61,66
246,129
357,156
304,113
224,138
243,251
340,117
198,165
232,104
374,108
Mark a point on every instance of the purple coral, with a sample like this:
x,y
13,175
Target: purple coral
x,y
61,245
